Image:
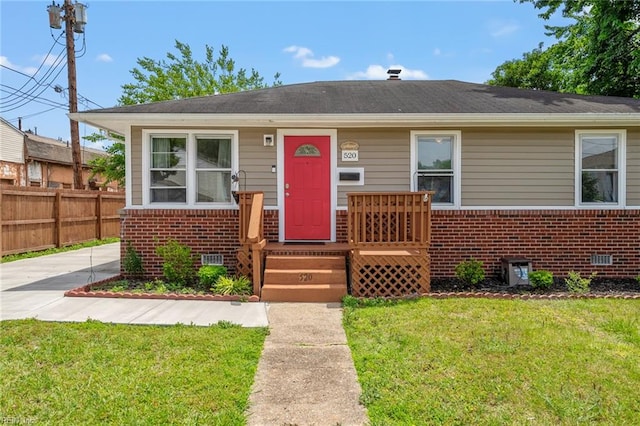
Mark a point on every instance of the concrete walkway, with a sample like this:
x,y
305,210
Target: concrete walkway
x,y
34,288
306,374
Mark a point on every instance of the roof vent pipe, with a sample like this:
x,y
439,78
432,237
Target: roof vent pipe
x,y
394,74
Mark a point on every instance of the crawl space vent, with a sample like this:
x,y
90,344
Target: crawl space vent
x,y
601,259
211,259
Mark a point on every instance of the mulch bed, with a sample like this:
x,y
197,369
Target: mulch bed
x,y
610,288
89,291
619,288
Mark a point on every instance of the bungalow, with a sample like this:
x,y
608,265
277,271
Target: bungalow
x,y
551,177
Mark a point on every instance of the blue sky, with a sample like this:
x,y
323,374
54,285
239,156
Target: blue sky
x,y
303,40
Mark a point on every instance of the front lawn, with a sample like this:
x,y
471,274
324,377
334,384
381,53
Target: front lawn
x,y
96,373
513,362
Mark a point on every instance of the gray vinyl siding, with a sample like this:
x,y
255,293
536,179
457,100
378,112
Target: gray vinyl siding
x,y
500,167
633,167
256,161
518,167
385,157
136,166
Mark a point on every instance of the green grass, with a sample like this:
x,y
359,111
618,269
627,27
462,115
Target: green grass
x,y
96,373
31,254
498,362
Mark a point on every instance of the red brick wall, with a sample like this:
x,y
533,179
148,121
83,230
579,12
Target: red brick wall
x,y
555,240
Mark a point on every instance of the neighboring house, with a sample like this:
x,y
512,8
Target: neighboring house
x,y
551,177
27,159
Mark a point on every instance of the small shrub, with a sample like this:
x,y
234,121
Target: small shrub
x,y
118,288
470,271
541,280
132,262
638,279
208,275
232,285
577,284
178,266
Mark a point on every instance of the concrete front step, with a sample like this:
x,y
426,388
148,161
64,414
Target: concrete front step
x,y
316,293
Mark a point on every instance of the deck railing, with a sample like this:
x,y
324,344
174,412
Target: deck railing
x,y
390,219
251,236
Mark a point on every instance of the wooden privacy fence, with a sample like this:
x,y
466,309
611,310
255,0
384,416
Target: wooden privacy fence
x,y
389,236
40,218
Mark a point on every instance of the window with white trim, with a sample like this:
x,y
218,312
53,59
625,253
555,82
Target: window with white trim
x,y
435,158
189,168
600,167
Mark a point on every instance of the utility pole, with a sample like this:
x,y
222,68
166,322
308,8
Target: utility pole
x,y
75,18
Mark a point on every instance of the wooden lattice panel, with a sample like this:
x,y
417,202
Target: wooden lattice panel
x,y
389,275
244,267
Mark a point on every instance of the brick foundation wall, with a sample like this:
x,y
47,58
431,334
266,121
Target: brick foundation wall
x,y
204,231
556,240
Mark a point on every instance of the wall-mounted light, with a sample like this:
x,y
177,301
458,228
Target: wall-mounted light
x,y
273,168
268,140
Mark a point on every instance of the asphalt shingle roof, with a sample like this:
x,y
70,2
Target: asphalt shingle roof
x,y
388,97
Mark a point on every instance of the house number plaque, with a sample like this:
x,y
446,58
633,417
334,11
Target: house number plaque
x,y
304,277
349,150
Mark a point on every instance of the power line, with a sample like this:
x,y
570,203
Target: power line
x,y
26,97
32,115
41,100
44,60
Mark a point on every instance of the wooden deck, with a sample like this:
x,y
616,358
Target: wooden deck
x,y
386,254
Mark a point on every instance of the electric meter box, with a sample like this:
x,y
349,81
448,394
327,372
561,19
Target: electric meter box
x,y
515,270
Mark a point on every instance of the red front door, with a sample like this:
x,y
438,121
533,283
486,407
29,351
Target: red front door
x,y
307,188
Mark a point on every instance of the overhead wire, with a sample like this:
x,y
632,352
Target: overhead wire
x,y
40,99
28,96
44,60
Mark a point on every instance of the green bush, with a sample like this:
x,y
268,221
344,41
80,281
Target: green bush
x,y
542,280
470,271
132,262
577,284
208,275
178,266
232,285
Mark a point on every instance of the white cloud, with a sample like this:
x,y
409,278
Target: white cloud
x,y
502,28
104,57
4,61
308,61
378,72
48,60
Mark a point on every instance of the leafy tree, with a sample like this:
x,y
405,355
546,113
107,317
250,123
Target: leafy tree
x,y
180,76
599,53
112,167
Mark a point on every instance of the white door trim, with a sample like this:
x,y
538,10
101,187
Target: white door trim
x,y
333,136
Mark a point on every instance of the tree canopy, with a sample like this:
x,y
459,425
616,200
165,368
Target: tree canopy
x,y
179,76
598,53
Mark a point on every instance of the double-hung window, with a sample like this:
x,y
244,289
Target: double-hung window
x,y
600,167
189,168
436,165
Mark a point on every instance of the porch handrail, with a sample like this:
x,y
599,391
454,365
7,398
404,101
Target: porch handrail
x,y
389,219
254,233
250,216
